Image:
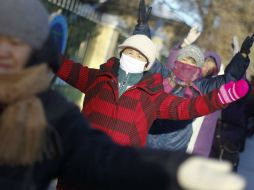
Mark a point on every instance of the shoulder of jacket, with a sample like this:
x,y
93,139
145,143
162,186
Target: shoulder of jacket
x,y
56,105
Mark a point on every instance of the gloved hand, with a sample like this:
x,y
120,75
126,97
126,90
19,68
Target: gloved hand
x,y
247,44
192,36
198,173
233,91
142,26
235,45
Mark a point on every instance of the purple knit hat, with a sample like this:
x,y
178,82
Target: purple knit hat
x,y
217,59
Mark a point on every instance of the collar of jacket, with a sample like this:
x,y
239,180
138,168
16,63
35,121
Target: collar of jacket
x,y
130,78
150,82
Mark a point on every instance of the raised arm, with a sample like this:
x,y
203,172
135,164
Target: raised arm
x,y
76,75
177,108
240,62
235,70
165,69
237,67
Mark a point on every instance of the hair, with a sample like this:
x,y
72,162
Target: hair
x,y
215,69
121,52
192,60
211,58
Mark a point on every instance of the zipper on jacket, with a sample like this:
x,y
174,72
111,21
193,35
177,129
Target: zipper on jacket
x,y
122,84
114,86
116,96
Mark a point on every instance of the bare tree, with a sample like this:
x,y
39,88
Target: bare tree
x,y
225,20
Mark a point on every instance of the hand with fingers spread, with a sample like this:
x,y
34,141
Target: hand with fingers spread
x,y
246,45
192,36
142,26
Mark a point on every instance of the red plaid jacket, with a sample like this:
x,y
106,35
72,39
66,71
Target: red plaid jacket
x,y
128,118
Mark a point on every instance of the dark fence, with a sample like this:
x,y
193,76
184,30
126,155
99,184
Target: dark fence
x,y
81,19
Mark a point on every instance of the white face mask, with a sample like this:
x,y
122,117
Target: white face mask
x,y
131,65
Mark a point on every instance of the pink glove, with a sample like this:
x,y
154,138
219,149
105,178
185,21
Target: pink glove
x,y
232,91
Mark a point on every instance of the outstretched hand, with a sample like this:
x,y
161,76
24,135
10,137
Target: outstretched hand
x,y
142,26
247,44
233,91
143,14
192,36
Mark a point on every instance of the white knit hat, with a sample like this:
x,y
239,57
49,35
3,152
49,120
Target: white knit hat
x,y
143,44
194,52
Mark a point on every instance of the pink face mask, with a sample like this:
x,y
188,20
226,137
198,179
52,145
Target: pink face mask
x,y
185,72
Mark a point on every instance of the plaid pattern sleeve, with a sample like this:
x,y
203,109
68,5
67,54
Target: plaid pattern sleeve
x,y
177,108
76,75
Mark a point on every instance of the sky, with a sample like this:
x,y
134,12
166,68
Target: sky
x,y
176,10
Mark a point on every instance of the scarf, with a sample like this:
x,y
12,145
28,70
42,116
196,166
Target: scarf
x,y
127,80
185,72
22,119
187,88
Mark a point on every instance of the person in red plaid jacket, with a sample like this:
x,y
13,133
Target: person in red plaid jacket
x,y
123,98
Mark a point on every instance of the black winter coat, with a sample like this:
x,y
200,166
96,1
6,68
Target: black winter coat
x,y
88,158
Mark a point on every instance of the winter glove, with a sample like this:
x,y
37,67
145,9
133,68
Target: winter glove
x,y
247,44
192,36
198,173
232,91
142,26
235,45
